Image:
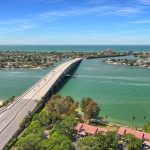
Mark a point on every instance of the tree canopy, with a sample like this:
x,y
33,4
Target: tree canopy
x,y
53,127
90,108
66,127
34,128
147,127
42,118
57,142
61,105
30,142
132,142
99,142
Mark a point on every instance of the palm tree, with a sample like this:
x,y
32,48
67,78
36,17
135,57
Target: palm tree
x,y
144,117
133,118
106,118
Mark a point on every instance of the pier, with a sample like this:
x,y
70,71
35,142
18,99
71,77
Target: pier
x,y
13,115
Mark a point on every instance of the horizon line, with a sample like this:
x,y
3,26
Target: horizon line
x,y
74,44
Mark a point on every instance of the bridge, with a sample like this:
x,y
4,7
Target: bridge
x,y
13,115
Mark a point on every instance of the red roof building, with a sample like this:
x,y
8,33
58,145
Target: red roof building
x,y
89,129
138,134
122,131
147,136
85,129
79,126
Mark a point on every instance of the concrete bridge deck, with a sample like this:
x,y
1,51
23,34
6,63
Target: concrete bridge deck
x,y
12,116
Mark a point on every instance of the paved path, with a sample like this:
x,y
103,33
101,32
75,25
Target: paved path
x,y
12,116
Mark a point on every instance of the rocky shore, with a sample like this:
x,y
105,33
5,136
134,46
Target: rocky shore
x,y
143,55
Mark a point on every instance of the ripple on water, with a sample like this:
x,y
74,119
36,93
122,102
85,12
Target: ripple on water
x,y
121,91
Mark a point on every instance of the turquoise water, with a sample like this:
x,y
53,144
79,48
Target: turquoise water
x,y
15,82
74,47
121,91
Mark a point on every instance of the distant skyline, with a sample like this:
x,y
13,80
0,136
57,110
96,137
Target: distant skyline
x,y
74,22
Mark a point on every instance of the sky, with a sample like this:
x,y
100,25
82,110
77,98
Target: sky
x,y
75,22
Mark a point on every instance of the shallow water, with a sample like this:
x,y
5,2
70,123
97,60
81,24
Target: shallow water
x,y
15,82
121,91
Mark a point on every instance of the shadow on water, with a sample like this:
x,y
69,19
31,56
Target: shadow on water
x,y
60,83
67,77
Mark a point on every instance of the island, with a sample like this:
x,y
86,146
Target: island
x,y
39,60
141,59
129,62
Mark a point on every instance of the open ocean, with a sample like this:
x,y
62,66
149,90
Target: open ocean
x,y
121,91
75,47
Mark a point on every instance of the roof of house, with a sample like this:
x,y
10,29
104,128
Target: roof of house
x,y
89,129
137,134
147,136
130,131
121,131
78,126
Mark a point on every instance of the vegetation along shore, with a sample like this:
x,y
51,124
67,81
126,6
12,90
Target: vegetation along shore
x,y
140,60
59,125
38,60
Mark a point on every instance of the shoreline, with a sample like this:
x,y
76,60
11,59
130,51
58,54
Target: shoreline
x,y
1,102
111,124
141,60
117,125
39,60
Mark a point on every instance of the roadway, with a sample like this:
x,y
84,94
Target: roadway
x,y
12,116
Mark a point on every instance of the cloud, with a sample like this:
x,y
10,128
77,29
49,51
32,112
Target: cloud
x,y
37,19
95,10
41,1
141,21
128,10
14,26
15,21
146,2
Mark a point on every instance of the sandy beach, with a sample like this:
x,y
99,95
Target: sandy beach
x,y
1,102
